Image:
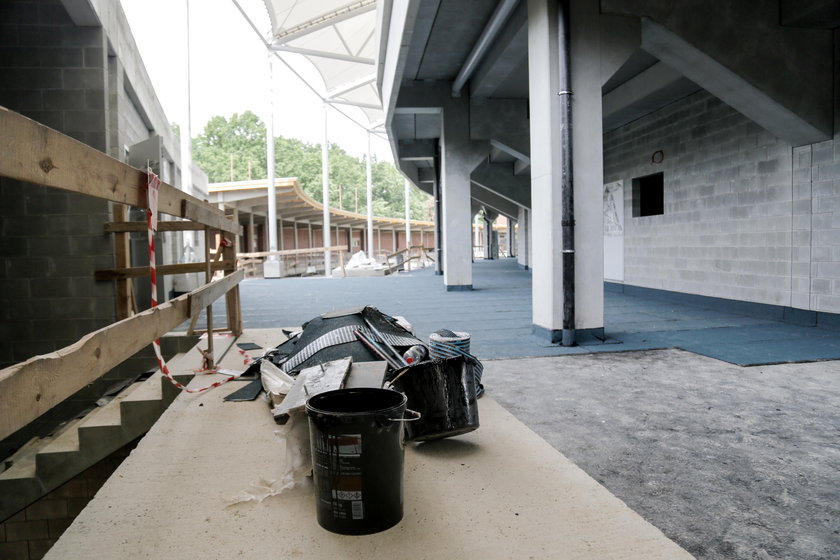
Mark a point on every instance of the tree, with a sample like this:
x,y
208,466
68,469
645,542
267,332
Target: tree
x,y
232,150
235,150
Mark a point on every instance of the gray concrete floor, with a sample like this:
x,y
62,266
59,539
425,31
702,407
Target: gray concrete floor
x,y
729,461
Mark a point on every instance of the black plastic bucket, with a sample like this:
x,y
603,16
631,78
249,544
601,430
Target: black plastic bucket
x,y
357,458
443,392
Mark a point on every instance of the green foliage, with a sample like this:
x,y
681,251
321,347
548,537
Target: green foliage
x,y
226,148
232,150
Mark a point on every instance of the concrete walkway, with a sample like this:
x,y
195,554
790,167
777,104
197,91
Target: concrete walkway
x,y
729,461
497,313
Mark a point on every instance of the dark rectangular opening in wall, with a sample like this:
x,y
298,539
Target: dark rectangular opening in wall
x,y
648,195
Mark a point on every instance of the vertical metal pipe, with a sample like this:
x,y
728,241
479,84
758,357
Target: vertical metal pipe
x,y
186,139
325,186
271,193
280,232
567,196
438,218
407,214
369,178
208,277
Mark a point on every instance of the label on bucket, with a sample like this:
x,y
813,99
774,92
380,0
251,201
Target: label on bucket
x,y
338,460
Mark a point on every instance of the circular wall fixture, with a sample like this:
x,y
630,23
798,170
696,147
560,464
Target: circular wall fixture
x,y
657,157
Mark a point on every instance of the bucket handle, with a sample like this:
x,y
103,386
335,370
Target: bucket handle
x,y
416,414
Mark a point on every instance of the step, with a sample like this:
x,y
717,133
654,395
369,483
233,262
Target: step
x,y
46,463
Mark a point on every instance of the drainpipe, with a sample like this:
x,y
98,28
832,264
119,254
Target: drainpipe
x,y
494,26
438,216
567,195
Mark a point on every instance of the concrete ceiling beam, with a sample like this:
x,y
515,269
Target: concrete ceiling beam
x,y
645,93
521,167
509,52
422,97
426,175
780,77
501,181
786,120
504,122
494,202
417,150
820,14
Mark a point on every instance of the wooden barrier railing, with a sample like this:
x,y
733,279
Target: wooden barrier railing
x,y
413,253
311,255
36,154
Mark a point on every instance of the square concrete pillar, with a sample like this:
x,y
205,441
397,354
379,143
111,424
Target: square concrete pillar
x,y
523,237
546,206
460,155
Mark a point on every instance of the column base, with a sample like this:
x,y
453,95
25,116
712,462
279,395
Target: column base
x,y
272,269
582,336
459,287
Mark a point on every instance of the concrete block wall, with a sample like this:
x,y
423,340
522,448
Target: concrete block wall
x,y
29,534
52,241
747,216
54,72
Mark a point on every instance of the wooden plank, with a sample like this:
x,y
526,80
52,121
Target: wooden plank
x,y
122,259
232,302
313,250
37,154
31,388
162,270
204,213
208,277
117,227
200,299
234,311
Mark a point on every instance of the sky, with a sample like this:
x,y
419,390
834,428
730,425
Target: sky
x,y
230,74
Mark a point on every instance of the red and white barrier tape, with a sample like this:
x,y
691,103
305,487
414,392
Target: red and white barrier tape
x,y
153,187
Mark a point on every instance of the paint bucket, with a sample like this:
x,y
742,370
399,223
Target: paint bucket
x,y
443,392
356,437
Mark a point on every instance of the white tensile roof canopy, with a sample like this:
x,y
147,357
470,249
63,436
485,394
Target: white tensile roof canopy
x,y
337,37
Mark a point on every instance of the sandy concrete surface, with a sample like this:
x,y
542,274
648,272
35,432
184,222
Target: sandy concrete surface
x,y
731,462
499,492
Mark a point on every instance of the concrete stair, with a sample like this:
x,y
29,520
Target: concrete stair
x,y
44,464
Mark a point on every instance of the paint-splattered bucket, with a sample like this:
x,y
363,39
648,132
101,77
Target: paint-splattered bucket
x,y
357,458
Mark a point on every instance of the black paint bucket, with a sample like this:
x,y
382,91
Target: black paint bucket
x,y
443,392
357,458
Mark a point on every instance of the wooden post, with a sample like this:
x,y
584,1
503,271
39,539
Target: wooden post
x,y
208,277
228,254
252,245
126,305
280,232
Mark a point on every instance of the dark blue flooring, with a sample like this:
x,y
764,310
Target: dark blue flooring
x,y
497,314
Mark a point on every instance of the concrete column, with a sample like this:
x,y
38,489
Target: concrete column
x,y
252,241
369,192
325,188
438,225
407,189
459,157
511,239
545,168
280,232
